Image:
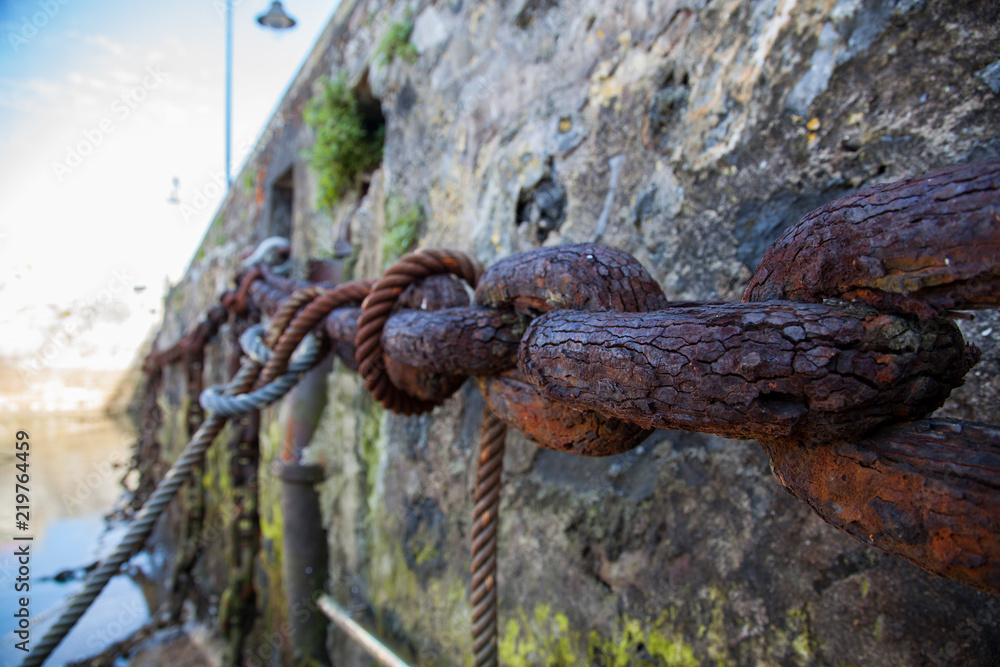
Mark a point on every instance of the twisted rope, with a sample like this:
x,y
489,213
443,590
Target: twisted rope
x,y
213,400
483,597
142,524
289,307
375,311
180,471
309,312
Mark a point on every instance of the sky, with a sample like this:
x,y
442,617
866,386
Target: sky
x,y
102,104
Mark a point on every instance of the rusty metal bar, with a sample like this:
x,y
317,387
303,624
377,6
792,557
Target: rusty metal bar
x,y
580,276
927,491
813,372
304,557
921,245
376,308
555,425
465,341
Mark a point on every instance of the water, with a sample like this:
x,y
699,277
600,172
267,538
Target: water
x,y
75,462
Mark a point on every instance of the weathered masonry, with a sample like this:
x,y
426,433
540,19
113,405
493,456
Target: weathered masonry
x,y
687,134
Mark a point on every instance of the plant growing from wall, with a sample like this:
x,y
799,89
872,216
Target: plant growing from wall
x,y
402,227
396,41
346,146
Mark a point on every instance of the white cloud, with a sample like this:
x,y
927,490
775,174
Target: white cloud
x,y
113,48
110,211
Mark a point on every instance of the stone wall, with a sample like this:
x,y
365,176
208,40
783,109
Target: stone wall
x,y
689,134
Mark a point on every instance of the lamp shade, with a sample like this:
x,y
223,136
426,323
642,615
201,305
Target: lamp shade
x,y
276,18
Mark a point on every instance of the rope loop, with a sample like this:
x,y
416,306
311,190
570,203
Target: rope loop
x,y
378,305
214,399
300,314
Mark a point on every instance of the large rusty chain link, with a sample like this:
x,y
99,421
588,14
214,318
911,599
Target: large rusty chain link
x,y
842,345
375,312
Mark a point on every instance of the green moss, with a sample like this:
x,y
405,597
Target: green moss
x,y
631,642
345,147
671,651
718,643
546,638
398,584
396,41
369,444
879,629
248,182
402,228
425,551
435,610
272,523
804,642
216,477
269,576
542,639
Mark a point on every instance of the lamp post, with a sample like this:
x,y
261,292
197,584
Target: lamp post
x,y
275,19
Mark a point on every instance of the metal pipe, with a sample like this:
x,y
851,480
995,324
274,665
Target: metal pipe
x,y
304,557
229,90
369,642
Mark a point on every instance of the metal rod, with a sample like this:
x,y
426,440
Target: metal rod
x,y
369,642
229,89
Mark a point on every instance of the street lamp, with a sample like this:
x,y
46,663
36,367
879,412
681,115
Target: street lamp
x,y
275,19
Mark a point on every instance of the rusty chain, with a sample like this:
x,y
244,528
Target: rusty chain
x,y
375,312
193,504
236,615
238,603
840,348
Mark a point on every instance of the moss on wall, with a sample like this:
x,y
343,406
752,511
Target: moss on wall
x,y
546,638
269,574
370,446
344,147
431,616
395,41
402,228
